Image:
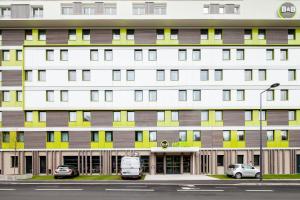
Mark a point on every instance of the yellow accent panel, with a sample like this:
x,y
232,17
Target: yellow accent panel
x,y
255,120
277,142
79,38
13,101
35,121
12,59
79,122
145,143
255,40
12,144
234,143
35,39
123,122
190,141
101,143
297,121
212,120
123,38
167,38
168,120
57,144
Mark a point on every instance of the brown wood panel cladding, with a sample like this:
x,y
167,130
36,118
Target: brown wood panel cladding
x,y
211,139
35,139
170,136
101,36
145,118
253,138
189,36
12,78
57,118
294,138
79,139
277,117
12,118
233,36
277,36
234,117
102,118
145,36
190,118
13,37
123,139
57,36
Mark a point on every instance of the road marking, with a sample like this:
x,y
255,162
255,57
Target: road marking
x,y
196,190
259,190
130,190
57,189
7,189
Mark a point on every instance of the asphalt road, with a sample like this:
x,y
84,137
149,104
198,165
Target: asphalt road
x,y
132,191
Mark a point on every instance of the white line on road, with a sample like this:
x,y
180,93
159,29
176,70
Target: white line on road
x,y
130,190
200,190
259,190
7,189
57,189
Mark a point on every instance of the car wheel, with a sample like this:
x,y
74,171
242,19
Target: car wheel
x,y
257,175
55,177
238,176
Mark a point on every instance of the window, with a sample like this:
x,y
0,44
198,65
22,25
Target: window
x,y
263,115
116,75
270,54
204,76
196,95
67,10
160,9
196,136
49,55
220,160
28,75
270,135
219,115
160,75
174,75
50,136
152,55
204,115
248,115
110,8
291,34
63,55
284,95
292,115
5,137
28,116
206,9
49,95
108,136
240,95
182,54
226,95
5,12
292,75
108,95
130,34
240,54
72,116
248,34
284,135
130,116
182,136
270,95
6,55
160,116
226,136
138,54
218,34
86,116
240,135
20,136
174,116
94,55
64,95
262,74
256,159
240,159
283,54
261,34
108,55
42,75
94,136
28,35
174,34
42,35
19,96
71,75
182,95
5,96
218,74
204,34
72,34
130,74
221,10
152,136
86,34
14,160
152,95
138,9
86,75
139,136
64,136
138,95
196,54
160,34
248,74
19,55
94,95
226,54
116,34
117,116
42,116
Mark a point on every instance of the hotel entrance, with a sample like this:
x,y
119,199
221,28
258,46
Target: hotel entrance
x,y
173,164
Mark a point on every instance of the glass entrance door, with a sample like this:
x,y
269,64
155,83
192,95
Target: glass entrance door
x,y
173,164
159,164
187,164
298,164
28,165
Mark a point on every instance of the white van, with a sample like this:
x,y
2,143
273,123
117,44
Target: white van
x,y
131,167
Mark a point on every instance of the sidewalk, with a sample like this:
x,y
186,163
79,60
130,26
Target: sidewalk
x,y
181,177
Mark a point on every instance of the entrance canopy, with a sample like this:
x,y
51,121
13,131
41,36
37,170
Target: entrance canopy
x,y
174,149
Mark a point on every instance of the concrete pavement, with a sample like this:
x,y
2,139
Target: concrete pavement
x,y
168,177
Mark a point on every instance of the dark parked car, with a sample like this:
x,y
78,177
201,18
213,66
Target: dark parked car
x,y
65,171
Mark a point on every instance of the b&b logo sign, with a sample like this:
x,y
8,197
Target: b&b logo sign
x,y
287,10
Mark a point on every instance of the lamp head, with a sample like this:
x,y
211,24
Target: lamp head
x,y
274,85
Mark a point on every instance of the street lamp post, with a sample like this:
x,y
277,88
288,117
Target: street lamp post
x,y
260,129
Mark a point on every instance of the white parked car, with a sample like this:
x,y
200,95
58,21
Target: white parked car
x,y
241,170
131,167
